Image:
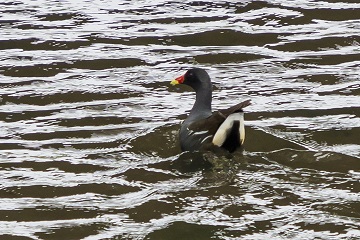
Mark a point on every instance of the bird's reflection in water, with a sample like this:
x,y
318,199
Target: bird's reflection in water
x,y
217,168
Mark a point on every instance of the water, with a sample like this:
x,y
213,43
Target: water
x,y
88,120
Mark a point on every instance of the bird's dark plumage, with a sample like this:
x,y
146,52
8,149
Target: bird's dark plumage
x,y
204,129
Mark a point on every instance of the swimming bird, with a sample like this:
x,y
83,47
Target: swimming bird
x,y
204,130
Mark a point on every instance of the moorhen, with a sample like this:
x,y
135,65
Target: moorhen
x,y
205,130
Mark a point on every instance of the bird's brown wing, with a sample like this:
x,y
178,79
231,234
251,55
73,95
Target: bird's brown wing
x,y
236,108
212,123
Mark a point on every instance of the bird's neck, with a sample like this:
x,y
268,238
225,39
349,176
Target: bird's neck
x,y
202,104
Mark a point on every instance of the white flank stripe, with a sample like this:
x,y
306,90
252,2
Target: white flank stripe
x,y
206,138
191,132
200,133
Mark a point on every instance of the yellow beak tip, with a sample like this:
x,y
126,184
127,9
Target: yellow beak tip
x,y
174,82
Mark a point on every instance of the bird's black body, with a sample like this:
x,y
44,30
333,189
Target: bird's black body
x,y
204,129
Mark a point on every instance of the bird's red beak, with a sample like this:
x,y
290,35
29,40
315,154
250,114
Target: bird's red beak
x,y
178,80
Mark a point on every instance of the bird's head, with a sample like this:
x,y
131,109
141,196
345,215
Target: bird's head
x,y
196,78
